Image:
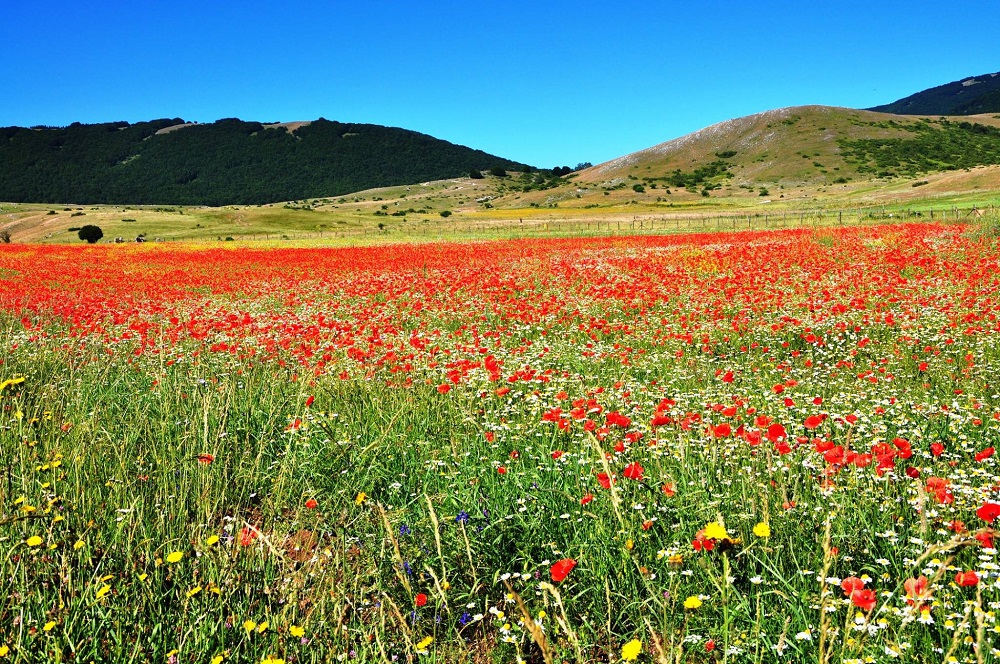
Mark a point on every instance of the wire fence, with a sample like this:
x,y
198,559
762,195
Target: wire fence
x,y
637,224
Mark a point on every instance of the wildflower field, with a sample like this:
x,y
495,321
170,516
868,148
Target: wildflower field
x,y
745,447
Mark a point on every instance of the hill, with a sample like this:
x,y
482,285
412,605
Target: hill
x,y
801,146
970,96
230,161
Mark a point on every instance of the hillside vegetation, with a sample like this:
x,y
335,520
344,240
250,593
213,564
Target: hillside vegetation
x,y
970,96
226,162
807,145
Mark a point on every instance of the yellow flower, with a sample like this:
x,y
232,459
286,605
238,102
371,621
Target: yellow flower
x,y
103,590
174,557
217,659
716,531
249,625
424,642
142,577
629,544
211,540
296,631
360,498
692,603
34,540
172,653
631,650
4,650
49,625
194,591
78,545
272,660
261,628
762,530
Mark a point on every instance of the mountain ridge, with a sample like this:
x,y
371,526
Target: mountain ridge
x,y
972,95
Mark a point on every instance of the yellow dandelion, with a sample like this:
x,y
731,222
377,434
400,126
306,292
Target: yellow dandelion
x,y
174,557
424,642
49,626
211,540
194,591
762,530
103,590
629,544
360,498
78,545
4,650
142,577
217,659
631,650
272,660
249,625
34,540
716,531
261,628
692,603
296,631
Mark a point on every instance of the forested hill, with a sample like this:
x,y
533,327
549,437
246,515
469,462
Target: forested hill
x,y
970,96
227,162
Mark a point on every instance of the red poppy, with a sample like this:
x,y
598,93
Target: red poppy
x,y
604,480
312,504
851,584
967,578
864,599
561,569
937,449
813,421
586,499
556,454
501,470
310,400
985,454
722,430
444,388
988,512
205,458
248,535
916,589
633,471
420,599
668,490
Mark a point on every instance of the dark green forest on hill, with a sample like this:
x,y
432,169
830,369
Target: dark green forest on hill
x,y
226,162
970,96
938,145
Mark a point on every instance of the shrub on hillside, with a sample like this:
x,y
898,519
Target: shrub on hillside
x,y
90,233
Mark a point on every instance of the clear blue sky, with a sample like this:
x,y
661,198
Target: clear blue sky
x,y
544,82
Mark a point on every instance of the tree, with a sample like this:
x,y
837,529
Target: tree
x,y
91,234
475,174
498,171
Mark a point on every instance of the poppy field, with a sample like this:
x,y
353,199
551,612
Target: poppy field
x,y
730,447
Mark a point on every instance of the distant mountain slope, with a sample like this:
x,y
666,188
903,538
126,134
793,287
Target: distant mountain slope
x,y
970,96
812,145
226,162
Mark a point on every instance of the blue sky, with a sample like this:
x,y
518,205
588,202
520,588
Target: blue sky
x,y
545,82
